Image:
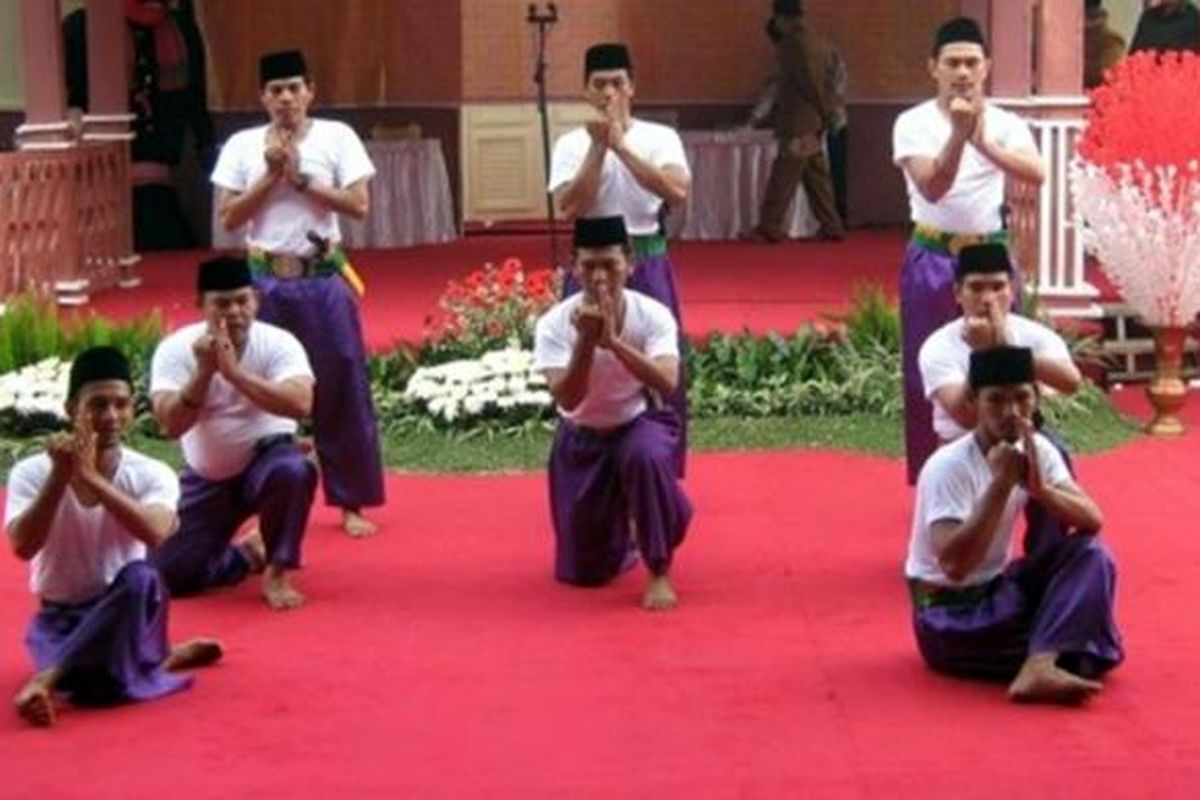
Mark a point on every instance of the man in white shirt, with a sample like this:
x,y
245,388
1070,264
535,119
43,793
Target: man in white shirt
x,y
232,389
1043,622
956,151
84,514
607,353
628,167
983,288
287,182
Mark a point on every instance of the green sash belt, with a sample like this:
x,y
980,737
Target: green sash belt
x,y
649,246
925,595
948,243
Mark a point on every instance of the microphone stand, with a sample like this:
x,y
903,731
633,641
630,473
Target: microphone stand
x,y
543,19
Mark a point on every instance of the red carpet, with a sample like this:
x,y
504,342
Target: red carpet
x,y
725,286
440,661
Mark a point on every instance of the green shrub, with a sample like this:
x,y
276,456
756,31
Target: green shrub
x,y
29,332
816,371
873,319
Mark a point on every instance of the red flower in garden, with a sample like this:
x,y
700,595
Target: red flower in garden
x,y
493,304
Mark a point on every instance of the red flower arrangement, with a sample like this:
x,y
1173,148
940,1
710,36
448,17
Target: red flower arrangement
x,y
1147,113
1136,184
491,307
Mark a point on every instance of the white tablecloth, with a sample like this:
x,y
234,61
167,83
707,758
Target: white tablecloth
x,y
729,177
410,200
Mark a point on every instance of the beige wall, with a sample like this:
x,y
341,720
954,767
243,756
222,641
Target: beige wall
x,y
443,52
385,52
695,50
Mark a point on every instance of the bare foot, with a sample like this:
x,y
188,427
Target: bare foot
x,y
659,596
1041,681
278,591
356,525
35,701
194,653
254,549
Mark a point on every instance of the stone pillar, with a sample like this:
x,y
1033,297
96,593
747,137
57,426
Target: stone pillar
x,y
108,120
108,116
1059,48
1011,26
46,125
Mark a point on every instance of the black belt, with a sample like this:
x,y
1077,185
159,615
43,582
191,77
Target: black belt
x,y
267,442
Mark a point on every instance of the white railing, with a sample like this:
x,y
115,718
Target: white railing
x,y
1045,232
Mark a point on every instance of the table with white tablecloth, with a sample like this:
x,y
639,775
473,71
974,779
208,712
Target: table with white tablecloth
x,y
410,200
729,177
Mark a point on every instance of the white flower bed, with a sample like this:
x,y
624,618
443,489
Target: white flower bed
x,y
500,382
37,389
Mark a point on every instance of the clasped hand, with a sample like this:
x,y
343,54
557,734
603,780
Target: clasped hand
x,y
74,454
215,352
983,332
966,118
607,131
596,322
1015,465
282,157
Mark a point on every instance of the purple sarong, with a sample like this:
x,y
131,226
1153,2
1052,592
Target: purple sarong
x,y
654,276
278,486
323,314
111,648
1059,599
926,303
1041,527
600,483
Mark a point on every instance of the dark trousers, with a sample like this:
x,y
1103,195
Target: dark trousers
x,y
787,173
600,483
110,649
838,145
1058,599
278,486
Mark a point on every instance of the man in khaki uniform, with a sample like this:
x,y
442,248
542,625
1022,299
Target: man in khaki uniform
x,y
802,116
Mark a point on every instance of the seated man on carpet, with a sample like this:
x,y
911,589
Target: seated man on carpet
x,y
232,388
84,514
610,356
1042,622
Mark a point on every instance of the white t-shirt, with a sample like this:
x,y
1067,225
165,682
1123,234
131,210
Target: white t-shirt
x,y
973,203
330,152
614,396
951,481
221,443
620,194
945,360
87,546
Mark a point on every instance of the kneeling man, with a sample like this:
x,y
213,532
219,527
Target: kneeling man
x,y
1043,622
84,514
231,389
610,355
